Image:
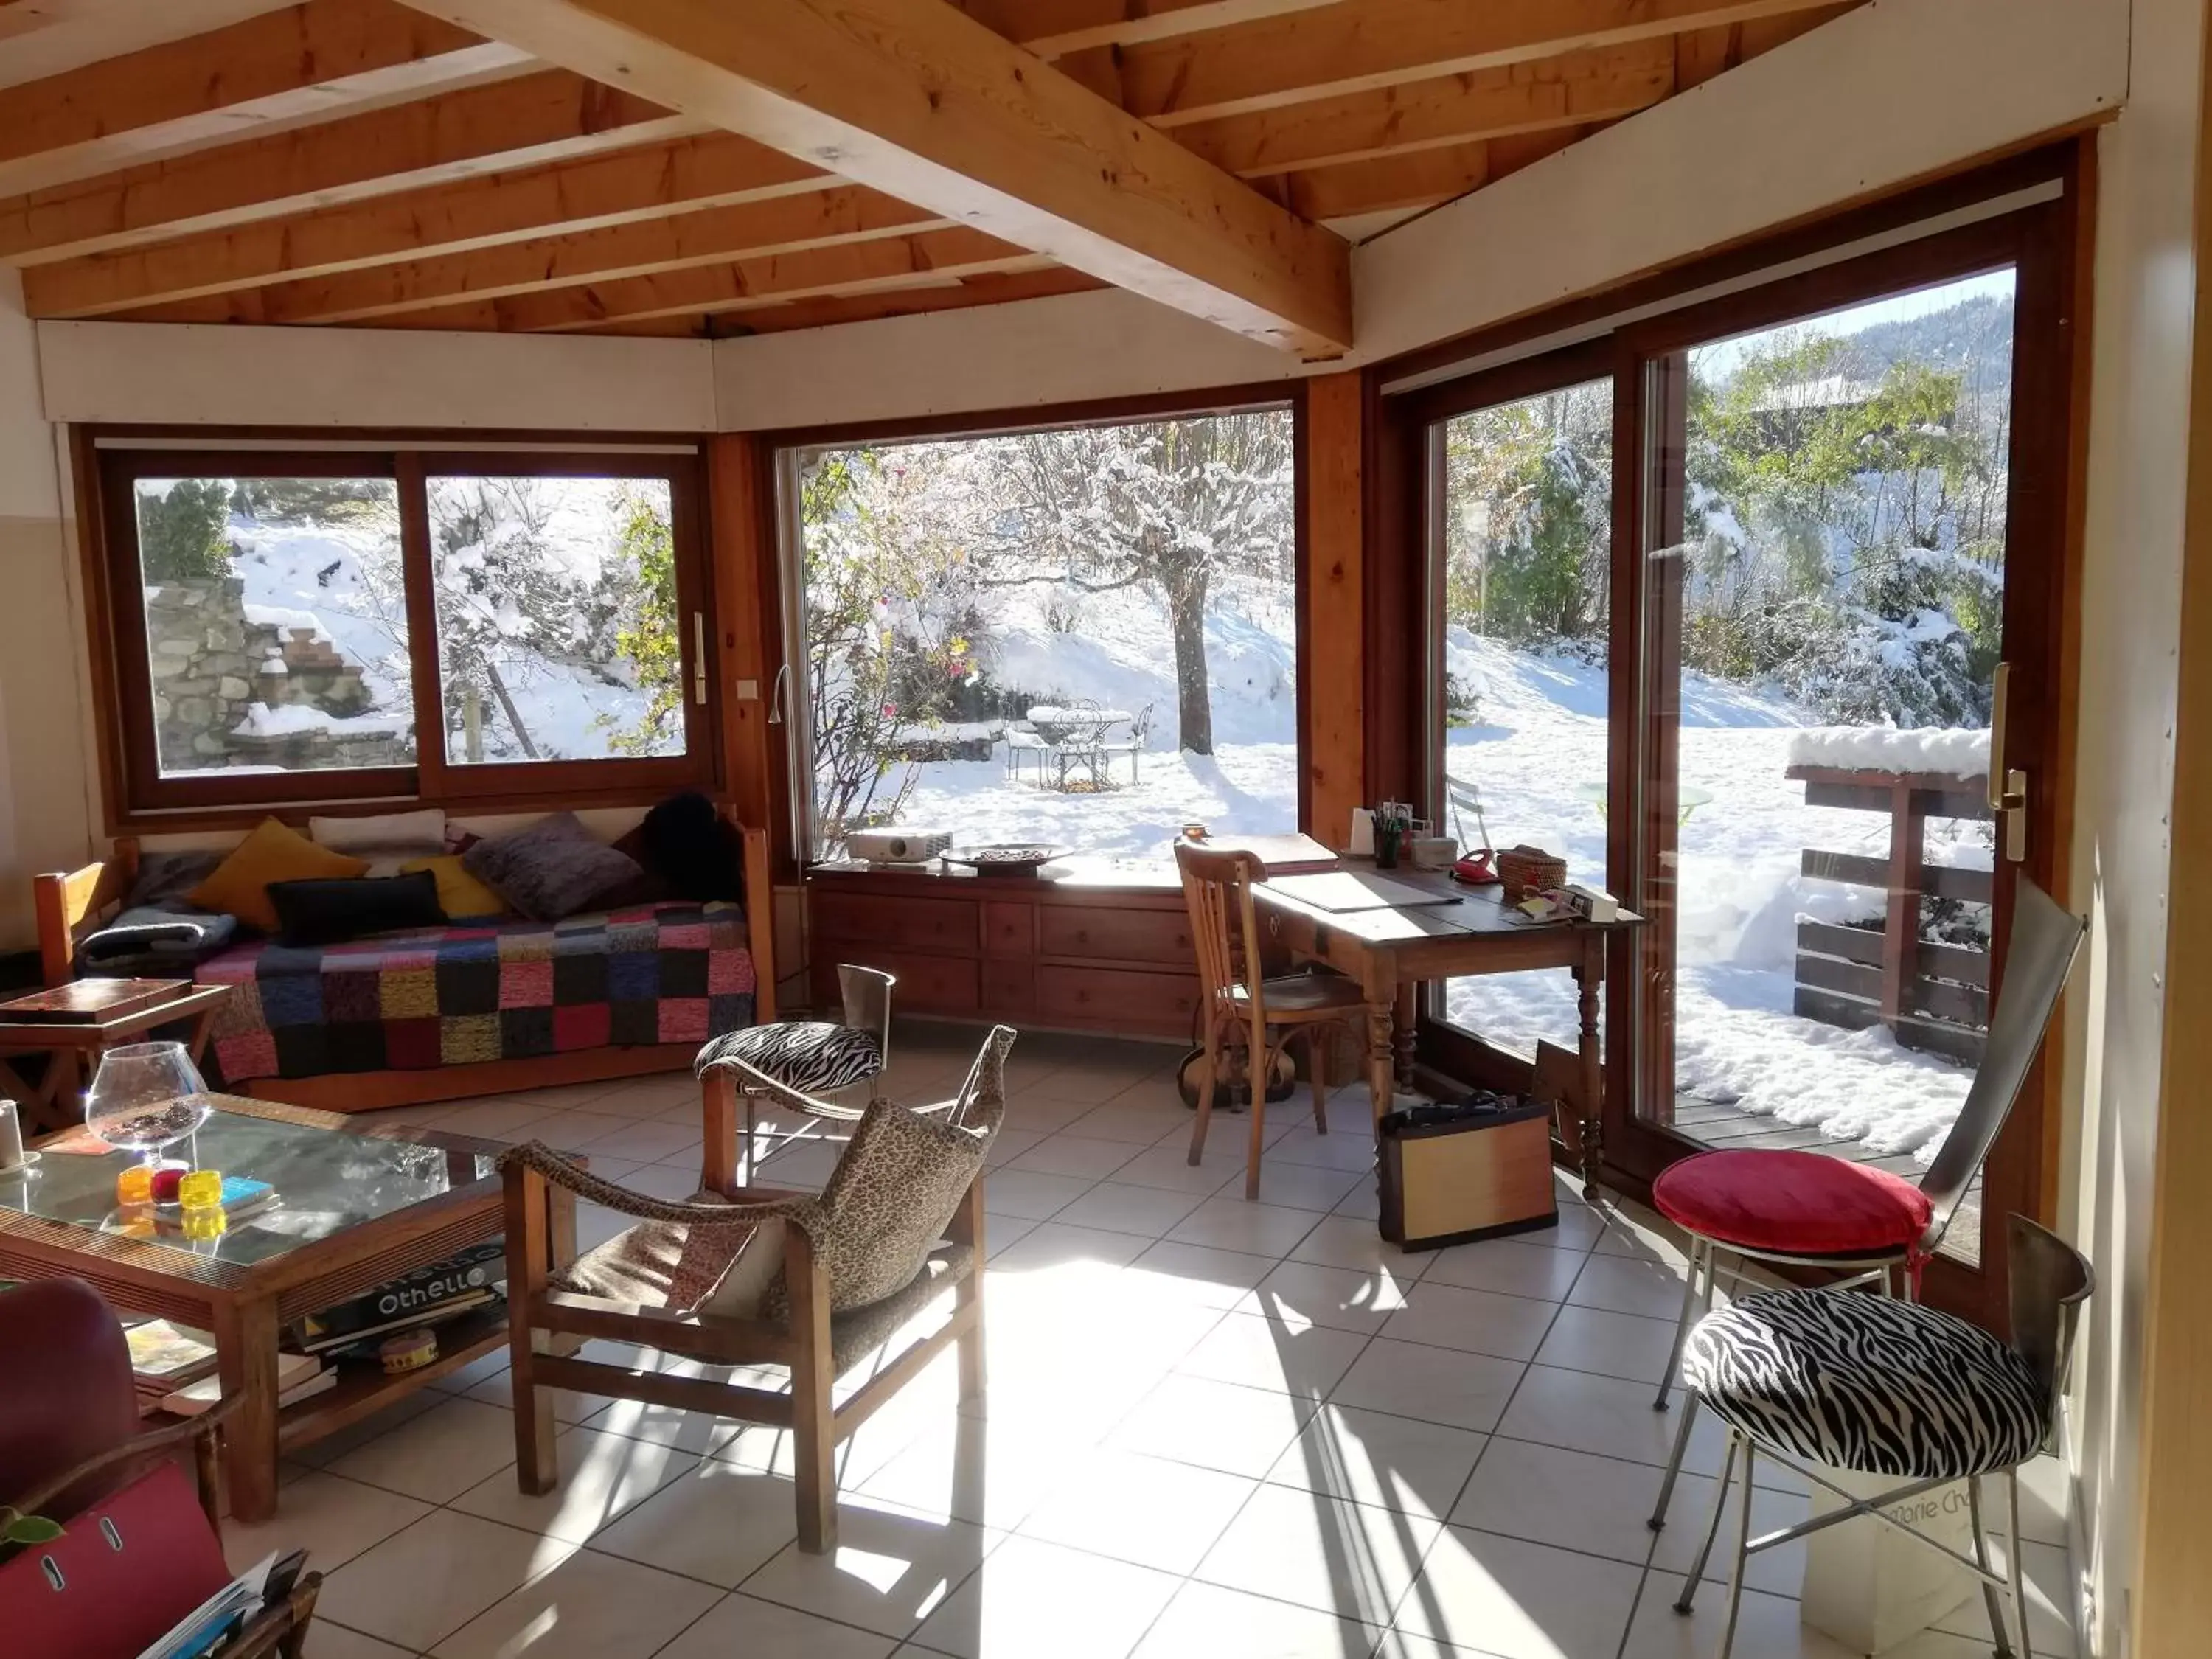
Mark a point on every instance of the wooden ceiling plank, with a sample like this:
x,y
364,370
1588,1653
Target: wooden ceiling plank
x,y
1554,92
1422,179
914,98
1051,28
304,63
534,119
1361,45
828,218
630,186
987,289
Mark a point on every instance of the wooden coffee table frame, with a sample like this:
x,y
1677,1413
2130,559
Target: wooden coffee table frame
x,y
245,1306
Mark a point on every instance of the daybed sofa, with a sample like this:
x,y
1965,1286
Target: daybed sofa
x,y
468,1008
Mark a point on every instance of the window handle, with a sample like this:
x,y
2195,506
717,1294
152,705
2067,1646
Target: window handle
x,y
2007,785
699,658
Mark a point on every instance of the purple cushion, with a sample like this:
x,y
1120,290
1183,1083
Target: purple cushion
x,y
550,869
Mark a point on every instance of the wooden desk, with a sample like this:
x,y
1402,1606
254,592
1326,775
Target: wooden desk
x,y
76,1047
1390,950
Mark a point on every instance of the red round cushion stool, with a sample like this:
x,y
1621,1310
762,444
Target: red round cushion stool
x,y
1793,1204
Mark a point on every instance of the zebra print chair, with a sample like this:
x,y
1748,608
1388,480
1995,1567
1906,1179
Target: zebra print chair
x,y
795,1063
1890,1388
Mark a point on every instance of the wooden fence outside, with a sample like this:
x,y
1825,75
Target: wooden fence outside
x,y
1931,996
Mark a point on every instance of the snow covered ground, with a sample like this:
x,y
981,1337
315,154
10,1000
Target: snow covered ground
x,y
1536,753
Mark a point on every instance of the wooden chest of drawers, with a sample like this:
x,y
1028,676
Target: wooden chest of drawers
x,y
1089,946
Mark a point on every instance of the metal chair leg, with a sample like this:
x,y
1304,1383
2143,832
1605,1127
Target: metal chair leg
x,y
1712,1526
1698,1248
2015,1554
1999,1623
1657,1521
1742,1551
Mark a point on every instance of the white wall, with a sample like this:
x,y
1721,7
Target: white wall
x,y
45,771
2144,318
202,374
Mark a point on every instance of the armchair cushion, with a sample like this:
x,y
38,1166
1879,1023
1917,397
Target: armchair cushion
x,y
66,1393
660,1264
811,1056
896,1187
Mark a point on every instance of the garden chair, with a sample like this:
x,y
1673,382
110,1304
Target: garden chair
x,y
747,1276
1133,745
1022,739
1461,795
1217,887
1878,1386
796,1062
1810,1209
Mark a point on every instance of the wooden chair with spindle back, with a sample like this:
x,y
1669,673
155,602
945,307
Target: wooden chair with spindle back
x,y
1217,886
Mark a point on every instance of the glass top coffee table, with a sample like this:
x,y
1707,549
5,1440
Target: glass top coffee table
x,y
355,1205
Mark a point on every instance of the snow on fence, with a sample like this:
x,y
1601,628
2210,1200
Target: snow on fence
x,y
1930,995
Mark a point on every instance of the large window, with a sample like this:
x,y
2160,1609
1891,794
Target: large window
x,y
1086,636
352,624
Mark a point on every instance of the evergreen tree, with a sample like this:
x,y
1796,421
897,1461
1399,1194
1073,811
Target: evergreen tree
x,y
183,531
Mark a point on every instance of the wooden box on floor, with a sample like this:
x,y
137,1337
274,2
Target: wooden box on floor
x,y
1476,1177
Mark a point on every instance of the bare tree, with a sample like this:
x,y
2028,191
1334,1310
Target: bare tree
x,y
1170,505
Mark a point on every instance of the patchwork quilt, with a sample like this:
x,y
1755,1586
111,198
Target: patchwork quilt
x,y
503,990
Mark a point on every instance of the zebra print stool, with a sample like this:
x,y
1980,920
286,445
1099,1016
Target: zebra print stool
x,y
795,1064
1886,1387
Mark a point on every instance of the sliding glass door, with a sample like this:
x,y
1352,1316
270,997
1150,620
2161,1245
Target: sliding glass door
x,y
1823,624
1739,609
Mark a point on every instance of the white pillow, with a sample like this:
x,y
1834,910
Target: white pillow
x,y
418,833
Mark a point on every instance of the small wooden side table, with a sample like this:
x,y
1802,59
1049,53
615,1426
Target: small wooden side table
x,y
57,1102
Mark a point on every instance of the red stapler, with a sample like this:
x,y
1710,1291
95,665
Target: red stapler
x,y
1475,869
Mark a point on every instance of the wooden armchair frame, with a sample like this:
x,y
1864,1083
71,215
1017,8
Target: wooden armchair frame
x,y
541,1317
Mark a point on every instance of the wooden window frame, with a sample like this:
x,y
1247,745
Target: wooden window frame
x,y
138,797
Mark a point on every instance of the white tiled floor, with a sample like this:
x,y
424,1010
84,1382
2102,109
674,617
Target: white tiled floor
x,y
1213,1428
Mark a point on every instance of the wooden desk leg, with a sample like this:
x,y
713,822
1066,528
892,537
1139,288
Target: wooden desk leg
x,y
1409,1028
1589,976
1381,1059
246,1359
62,1091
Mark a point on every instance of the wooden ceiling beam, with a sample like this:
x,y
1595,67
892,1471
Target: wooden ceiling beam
x,y
301,64
1358,46
823,218
914,98
626,188
532,120
1554,92
43,38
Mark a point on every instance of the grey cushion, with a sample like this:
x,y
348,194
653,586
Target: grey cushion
x,y
550,869
811,1056
1859,1381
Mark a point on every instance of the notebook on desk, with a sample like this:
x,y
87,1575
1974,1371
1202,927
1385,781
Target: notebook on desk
x,y
1345,891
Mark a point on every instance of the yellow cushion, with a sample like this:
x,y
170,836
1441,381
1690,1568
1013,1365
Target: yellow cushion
x,y
459,893
274,852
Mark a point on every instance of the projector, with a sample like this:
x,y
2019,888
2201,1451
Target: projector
x,y
896,846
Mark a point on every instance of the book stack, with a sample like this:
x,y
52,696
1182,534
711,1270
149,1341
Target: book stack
x,y
166,1357
444,1289
299,1376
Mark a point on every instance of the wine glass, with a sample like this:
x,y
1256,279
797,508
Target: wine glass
x,y
145,1096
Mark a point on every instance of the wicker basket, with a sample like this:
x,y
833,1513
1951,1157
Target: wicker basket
x,y
1525,870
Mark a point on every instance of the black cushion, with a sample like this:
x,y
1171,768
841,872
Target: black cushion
x,y
1858,1381
700,853
811,1056
333,911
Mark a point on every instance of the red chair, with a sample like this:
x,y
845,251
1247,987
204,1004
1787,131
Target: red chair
x,y
1809,1209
